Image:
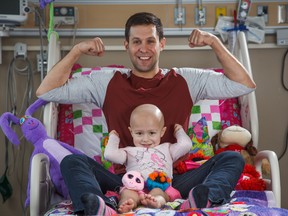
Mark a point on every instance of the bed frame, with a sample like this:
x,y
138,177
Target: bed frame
x,y
41,193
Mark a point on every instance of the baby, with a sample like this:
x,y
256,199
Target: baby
x,y
147,126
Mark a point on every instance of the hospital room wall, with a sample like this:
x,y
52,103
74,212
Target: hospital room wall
x,y
266,66
271,100
19,156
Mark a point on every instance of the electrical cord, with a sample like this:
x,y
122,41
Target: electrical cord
x,y
283,71
285,147
75,25
36,10
41,42
12,87
14,72
286,88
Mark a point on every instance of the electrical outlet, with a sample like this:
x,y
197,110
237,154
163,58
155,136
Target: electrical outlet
x,y
262,10
200,16
42,62
220,11
282,14
282,37
179,16
20,50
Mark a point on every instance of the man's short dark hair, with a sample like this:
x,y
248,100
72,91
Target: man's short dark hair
x,y
144,18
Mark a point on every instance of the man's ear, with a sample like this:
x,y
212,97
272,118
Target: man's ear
x,y
126,44
162,43
163,131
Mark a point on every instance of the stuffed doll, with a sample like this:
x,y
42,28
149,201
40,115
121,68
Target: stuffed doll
x,y
235,138
34,132
234,135
239,139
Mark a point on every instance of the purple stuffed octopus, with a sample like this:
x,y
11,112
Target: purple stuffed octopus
x,y
35,132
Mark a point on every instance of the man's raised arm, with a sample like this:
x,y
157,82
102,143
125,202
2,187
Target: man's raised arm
x,y
233,69
60,73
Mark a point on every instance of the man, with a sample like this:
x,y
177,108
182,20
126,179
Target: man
x,y
173,91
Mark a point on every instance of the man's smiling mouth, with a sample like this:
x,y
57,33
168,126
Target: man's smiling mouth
x,y
144,57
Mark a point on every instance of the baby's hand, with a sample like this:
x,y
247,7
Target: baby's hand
x,y
177,127
114,132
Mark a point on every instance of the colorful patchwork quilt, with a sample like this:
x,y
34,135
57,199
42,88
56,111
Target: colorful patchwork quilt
x,y
243,203
84,126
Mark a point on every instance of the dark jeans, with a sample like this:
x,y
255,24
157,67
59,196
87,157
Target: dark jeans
x,y
220,174
84,175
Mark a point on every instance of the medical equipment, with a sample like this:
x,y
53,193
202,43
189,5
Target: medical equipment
x,y
13,12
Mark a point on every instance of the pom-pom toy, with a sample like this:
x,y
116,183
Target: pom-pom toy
x,y
158,179
250,180
35,132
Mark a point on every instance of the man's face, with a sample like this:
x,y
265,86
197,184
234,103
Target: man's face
x,y
144,50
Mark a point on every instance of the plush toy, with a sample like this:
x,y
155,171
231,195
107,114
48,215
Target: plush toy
x,y
250,180
233,135
239,139
235,138
34,131
133,180
158,179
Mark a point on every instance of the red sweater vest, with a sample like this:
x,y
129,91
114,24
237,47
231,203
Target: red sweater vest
x,y
170,93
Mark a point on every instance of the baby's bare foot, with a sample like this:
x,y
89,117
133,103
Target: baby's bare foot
x,y
126,206
152,202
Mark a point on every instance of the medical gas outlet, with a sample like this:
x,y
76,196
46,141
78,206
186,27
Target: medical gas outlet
x,y
64,15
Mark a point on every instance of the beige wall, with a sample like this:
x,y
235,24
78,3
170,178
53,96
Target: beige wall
x,y
266,65
271,100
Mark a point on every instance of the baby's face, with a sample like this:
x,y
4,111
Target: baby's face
x,y
146,132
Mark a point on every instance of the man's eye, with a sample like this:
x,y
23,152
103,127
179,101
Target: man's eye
x,y
136,42
151,42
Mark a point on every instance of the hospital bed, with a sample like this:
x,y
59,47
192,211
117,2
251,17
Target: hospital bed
x,y
42,195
